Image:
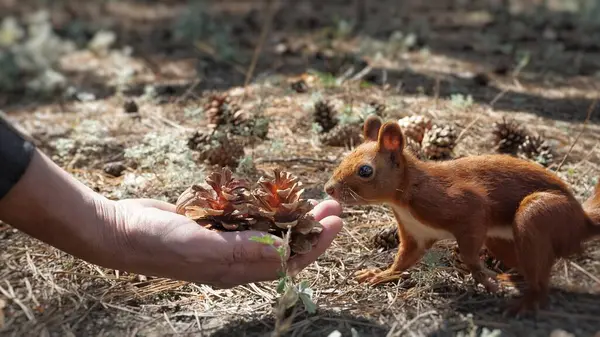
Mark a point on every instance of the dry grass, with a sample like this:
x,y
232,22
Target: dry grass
x,y
47,291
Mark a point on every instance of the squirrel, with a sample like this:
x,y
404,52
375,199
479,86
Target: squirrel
x,y
522,213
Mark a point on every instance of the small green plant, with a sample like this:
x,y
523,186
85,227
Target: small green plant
x,y
461,101
290,292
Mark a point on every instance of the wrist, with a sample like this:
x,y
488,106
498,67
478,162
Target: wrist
x,y
54,207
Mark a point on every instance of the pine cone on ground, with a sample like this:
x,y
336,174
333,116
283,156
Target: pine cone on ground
x,y
324,115
217,148
415,148
537,149
379,108
486,257
415,127
279,200
299,86
252,127
508,136
223,202
439,142
342,135
217,110
386,238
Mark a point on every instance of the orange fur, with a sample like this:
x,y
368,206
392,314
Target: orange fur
x,y
525,215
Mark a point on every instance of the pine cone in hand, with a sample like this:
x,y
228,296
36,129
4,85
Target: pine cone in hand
x,y
275,206
223,202
279,200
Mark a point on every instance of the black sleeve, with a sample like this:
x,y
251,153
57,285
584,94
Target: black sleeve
x,y
15,155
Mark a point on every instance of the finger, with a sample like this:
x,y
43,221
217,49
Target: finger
x,y
332,225
240,247
162,205
325,209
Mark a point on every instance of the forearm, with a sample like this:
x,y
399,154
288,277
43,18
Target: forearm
x,y
52,206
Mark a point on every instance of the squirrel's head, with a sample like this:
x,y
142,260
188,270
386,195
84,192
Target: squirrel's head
x,y
373,171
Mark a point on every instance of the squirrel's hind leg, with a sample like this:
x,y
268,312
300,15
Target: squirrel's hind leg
x,y
540,217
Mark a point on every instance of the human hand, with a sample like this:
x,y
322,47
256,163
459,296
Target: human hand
x,y
146,236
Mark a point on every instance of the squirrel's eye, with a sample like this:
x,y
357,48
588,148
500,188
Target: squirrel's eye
x,y
365,171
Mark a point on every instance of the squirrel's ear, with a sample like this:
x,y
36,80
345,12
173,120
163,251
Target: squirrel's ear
x,y
390,137
371,128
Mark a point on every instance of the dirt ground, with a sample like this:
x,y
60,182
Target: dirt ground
x,y
461,63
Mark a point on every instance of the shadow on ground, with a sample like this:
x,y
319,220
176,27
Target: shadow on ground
x,y
562,50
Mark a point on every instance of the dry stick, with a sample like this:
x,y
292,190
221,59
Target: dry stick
x,y
578,267
419,316
496,98
270,9
589,115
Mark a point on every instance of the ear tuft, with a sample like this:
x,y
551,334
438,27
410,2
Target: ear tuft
x,y
390,137
371,128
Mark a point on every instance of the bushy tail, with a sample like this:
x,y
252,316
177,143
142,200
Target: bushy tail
x,y
592,208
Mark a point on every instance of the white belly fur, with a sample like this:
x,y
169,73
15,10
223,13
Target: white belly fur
x,y
423,233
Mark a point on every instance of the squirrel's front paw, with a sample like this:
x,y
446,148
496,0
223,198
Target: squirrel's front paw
x,y
376,276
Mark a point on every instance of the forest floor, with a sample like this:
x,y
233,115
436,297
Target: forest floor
x,y
461,64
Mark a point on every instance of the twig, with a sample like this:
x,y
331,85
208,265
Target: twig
x,y
492,102
418,317
589,115
270,9
498,96
188,91
294,160
169,323
578,267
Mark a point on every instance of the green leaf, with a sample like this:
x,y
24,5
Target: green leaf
x,y
309,305
289,298
281,285
281,251
303,286
265,239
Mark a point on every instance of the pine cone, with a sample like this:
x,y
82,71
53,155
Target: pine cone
x,y
223,202
415,148
439,142
537,149
217,148
227,204
485,256
379,108
299,86
278,200
342,135
508,136
324,115
253,127
217,110
415,127
386,238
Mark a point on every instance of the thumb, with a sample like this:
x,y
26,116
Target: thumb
x,y
249,246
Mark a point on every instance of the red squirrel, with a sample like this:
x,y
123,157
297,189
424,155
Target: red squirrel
x,y
525,215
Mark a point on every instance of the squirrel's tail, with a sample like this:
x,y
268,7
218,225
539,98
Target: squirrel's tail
x,y
592,209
